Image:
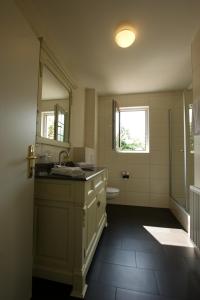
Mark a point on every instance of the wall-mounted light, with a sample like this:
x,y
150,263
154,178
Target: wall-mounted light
x,y
125,36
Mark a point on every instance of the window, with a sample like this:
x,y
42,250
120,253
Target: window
x,y
60,121
130,128
47,124
191,137
53,123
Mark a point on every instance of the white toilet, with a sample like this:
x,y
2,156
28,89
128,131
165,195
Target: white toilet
x,y
111,193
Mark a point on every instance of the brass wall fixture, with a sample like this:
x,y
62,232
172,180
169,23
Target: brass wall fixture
x,y
31,160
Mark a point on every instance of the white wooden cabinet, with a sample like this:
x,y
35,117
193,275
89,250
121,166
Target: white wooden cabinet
x,y
69,218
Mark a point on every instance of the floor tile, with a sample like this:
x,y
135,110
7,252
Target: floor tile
x,y
128,278
111,240
93,271
180,251
157,261
183,285
130,295
118,256
130,264
141,245
46,289
100,292
192,264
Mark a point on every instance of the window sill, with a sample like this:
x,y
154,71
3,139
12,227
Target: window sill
x,y
132,152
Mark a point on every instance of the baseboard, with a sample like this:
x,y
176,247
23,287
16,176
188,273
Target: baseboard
x,y
180,213
114,202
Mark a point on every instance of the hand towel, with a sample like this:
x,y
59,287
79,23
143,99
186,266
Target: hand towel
x,y
68,171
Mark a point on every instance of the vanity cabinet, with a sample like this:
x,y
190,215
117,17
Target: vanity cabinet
x,y
69,216
94,212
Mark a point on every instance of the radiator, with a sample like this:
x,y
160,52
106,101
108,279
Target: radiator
x,y
195,215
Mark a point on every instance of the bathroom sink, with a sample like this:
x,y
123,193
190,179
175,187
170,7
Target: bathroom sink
x,y
85,167
70,164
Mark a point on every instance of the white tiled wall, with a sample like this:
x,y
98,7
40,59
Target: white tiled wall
x,y
149,172
196,96
52,153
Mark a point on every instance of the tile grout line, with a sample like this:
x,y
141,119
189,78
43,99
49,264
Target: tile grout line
x,y
116,293
136,259
157,283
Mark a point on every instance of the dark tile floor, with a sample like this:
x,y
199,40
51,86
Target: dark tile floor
x,y
130,264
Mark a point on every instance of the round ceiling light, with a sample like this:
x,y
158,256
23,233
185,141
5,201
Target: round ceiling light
x,y
125,36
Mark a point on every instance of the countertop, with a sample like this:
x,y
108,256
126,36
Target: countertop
x,y
89,174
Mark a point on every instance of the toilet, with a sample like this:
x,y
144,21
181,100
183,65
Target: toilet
x,y
111,193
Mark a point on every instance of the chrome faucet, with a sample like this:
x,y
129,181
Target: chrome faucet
x,y
67,152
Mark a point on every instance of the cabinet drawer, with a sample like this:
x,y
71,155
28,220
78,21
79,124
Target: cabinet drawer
x,y
99,182
52,191
95,185
89,192
89,187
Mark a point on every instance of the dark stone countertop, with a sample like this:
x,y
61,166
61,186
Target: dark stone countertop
x,y
89,174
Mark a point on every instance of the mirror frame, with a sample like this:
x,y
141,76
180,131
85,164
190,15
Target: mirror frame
x,y
48,60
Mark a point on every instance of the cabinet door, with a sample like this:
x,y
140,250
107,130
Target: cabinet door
x,y
53,233
101,206
90,224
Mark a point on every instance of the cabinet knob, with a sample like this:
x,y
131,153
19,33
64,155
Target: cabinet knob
x,y
98,203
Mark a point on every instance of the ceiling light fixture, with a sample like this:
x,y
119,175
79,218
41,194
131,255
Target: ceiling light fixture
x,y
125,36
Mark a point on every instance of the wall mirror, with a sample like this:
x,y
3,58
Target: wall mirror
x,y
54,101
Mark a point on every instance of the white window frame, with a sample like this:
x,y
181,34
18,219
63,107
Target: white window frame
x,y
129,109
44,115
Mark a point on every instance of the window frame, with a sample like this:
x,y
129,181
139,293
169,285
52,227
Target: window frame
x,y
116,140
44,116
59,110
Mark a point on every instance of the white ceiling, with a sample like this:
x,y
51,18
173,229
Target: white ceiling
x,y
80,32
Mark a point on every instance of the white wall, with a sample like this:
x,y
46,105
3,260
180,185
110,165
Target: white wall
x,y
91,125
19,56
196,97
77,118
149,172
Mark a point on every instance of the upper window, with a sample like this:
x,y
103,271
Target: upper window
x,y
47,124
53,125
131,128
191,136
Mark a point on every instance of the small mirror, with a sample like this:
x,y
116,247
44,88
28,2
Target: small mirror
x,y
54,99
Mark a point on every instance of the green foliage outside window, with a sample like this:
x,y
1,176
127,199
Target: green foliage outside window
x,y
51,132
128,143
